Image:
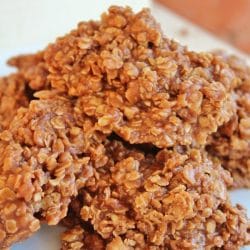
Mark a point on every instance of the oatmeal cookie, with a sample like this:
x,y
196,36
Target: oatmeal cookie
x,y
44,160
12,97
134,81
173,200
231,143
77,238
137,83
33,69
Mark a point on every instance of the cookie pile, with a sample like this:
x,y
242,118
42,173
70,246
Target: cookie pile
x,y
127,138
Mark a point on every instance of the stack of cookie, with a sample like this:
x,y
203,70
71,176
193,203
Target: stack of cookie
x,y
127,138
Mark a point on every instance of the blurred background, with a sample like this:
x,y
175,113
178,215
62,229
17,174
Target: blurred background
x,y
25,22
229,19
31,24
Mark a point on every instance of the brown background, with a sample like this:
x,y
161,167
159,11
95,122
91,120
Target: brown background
x,y
229,19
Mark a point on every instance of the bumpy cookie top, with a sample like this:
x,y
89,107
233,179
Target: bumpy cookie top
x,y
134,81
